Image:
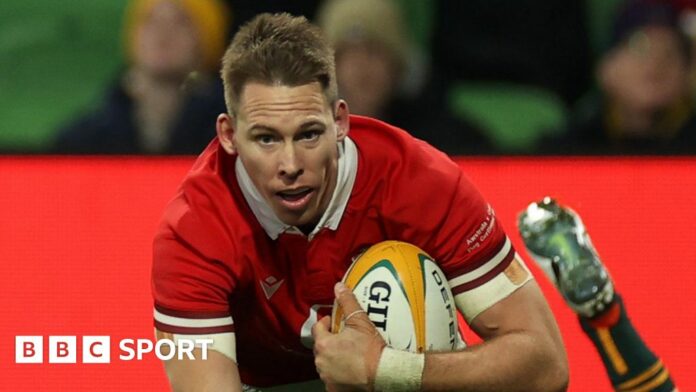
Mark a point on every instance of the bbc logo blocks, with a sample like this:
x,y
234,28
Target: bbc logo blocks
x,y
62,349
97,349
29,349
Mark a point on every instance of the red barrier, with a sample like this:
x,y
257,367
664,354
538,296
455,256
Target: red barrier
x,y
75,239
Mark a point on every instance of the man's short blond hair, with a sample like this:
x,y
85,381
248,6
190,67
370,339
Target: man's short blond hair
x,y
278,49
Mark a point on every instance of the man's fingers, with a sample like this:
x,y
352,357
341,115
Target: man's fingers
x,y
321,328
346,299
350,356
353,313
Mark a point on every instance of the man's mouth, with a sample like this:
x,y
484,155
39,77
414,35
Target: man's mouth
x,y
295,199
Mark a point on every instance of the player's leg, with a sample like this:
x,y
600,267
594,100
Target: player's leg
x,y
557,240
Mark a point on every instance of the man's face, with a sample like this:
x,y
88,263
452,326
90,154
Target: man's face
x,y
287,138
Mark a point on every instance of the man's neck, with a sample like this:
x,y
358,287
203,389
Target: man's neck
x,y
307,229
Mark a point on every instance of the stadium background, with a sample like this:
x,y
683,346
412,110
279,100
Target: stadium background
x,y
76,233
57,57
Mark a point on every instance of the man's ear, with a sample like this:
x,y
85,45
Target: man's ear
x,y
342,119
225,132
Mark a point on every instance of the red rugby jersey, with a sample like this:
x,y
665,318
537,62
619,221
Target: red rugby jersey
x,y
213,259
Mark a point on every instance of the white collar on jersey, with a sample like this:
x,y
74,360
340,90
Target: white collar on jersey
x,y
347,170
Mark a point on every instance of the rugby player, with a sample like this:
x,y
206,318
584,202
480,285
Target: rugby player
x,y
267,221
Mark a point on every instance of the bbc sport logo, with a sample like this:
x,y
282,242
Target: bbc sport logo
x,y
97,349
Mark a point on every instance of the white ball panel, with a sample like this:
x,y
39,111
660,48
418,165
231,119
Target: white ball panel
x,y
440,312
380,294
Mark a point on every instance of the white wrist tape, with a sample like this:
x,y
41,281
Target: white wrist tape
x,y
399,371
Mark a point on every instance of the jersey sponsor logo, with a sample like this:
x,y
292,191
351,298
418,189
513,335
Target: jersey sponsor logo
x,y
270,285
483,231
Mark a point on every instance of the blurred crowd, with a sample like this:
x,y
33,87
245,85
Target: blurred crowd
x,y
469,77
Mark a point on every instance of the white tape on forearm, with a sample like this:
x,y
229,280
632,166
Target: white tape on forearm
x,y
399,371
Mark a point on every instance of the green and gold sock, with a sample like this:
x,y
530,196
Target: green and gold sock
x,y
630,364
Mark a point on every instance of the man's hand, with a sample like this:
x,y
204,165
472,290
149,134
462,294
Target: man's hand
x,y
348,360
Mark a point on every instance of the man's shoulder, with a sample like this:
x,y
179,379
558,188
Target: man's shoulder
x,y
383,148
377,138
206,210
370,132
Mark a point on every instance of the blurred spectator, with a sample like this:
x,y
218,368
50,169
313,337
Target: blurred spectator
x,y
167,99
645,102
687,21
376,71
541,43
512,67
372,52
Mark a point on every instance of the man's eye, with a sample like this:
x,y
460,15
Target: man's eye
x,y
310,135
265,139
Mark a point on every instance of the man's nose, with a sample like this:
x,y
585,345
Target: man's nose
x,y
290,166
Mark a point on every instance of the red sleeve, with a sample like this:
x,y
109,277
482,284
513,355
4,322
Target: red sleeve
x,y
190,288
435,206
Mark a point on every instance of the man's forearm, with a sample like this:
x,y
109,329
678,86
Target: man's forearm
x,y
217,373
523,351
517,361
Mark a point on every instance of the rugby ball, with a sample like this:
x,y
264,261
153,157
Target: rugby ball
x,y
406,296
